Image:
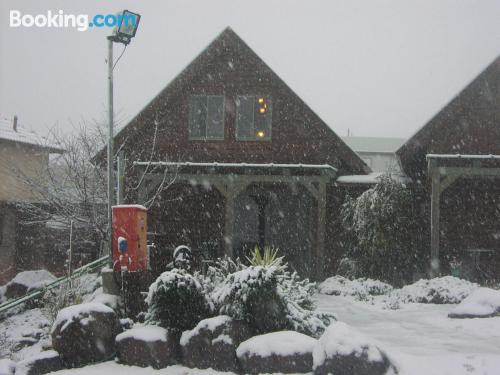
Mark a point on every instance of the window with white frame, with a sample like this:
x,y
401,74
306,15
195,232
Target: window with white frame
x,y
206,117
253,117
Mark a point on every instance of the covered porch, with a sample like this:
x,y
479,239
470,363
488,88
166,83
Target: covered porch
x,y
465,189
238,206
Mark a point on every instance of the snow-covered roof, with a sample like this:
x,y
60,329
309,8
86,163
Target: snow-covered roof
x,y
236,165
374,144
460,156
21,135
371,178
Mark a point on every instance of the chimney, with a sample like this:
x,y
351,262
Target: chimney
x,y
14,124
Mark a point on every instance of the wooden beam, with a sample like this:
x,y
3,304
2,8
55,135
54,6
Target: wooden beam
x,y
469,171
447,181
435,212
229,221
321,233
237,179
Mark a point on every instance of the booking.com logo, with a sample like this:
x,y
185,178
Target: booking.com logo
x,y
61,20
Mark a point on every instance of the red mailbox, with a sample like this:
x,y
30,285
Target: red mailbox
x,y
130,229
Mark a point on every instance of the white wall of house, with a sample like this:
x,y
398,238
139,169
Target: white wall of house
x,y
381,161
19,161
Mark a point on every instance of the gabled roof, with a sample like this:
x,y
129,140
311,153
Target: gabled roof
x,y
227,42
468,124
23,136
374,144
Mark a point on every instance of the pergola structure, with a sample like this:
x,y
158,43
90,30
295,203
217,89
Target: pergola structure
x,y
444,170
231,179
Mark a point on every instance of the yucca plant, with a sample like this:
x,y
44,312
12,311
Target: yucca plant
x,y
268,258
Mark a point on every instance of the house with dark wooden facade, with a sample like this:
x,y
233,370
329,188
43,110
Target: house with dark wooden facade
x,y
454,163
227,157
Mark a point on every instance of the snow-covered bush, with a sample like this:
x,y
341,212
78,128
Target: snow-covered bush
x,y
268,297
67,294
481,303
383,232
251,295
57,299
440,290
176,300
359,288
223,267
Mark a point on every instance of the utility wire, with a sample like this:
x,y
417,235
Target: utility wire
x,y
119,57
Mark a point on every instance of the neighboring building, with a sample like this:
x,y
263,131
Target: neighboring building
x,y
454,164
249,162
377,152
23,156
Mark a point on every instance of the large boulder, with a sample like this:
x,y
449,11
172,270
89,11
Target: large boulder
x,y
213,343
282,352
27,280
7,367
85,333
146,346
42,363
482,303
343,351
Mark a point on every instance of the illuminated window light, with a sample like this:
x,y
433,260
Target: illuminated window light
x,y
262,110
261,100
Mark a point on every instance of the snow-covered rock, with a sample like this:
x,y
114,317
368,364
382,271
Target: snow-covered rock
x,y
7,367
361,288
440,290
85,333
213,343
282,352
343,351
27,280
109,300
146,346
40,364
481,303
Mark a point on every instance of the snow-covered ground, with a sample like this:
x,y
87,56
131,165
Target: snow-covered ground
x,y
418,338
421,339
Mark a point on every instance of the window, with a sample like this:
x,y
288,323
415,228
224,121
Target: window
x,y
254,117
206,117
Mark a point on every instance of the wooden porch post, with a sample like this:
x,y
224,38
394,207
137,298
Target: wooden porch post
x,y
435,208
229,223
320,251
319,193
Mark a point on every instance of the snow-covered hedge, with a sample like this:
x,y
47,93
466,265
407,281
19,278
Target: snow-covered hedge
x,y
440,290
360,288
176,300
483,302
266,296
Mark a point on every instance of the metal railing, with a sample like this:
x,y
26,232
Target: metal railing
x,y
39,292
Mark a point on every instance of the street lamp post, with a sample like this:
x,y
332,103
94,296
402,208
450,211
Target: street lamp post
x,y
125,30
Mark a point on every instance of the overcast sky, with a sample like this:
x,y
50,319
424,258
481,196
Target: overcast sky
x,y
378,68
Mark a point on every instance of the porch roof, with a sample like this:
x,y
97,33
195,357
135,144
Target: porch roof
x,y
214,167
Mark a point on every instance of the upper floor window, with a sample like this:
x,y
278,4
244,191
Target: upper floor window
x,y
206,117
253,118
